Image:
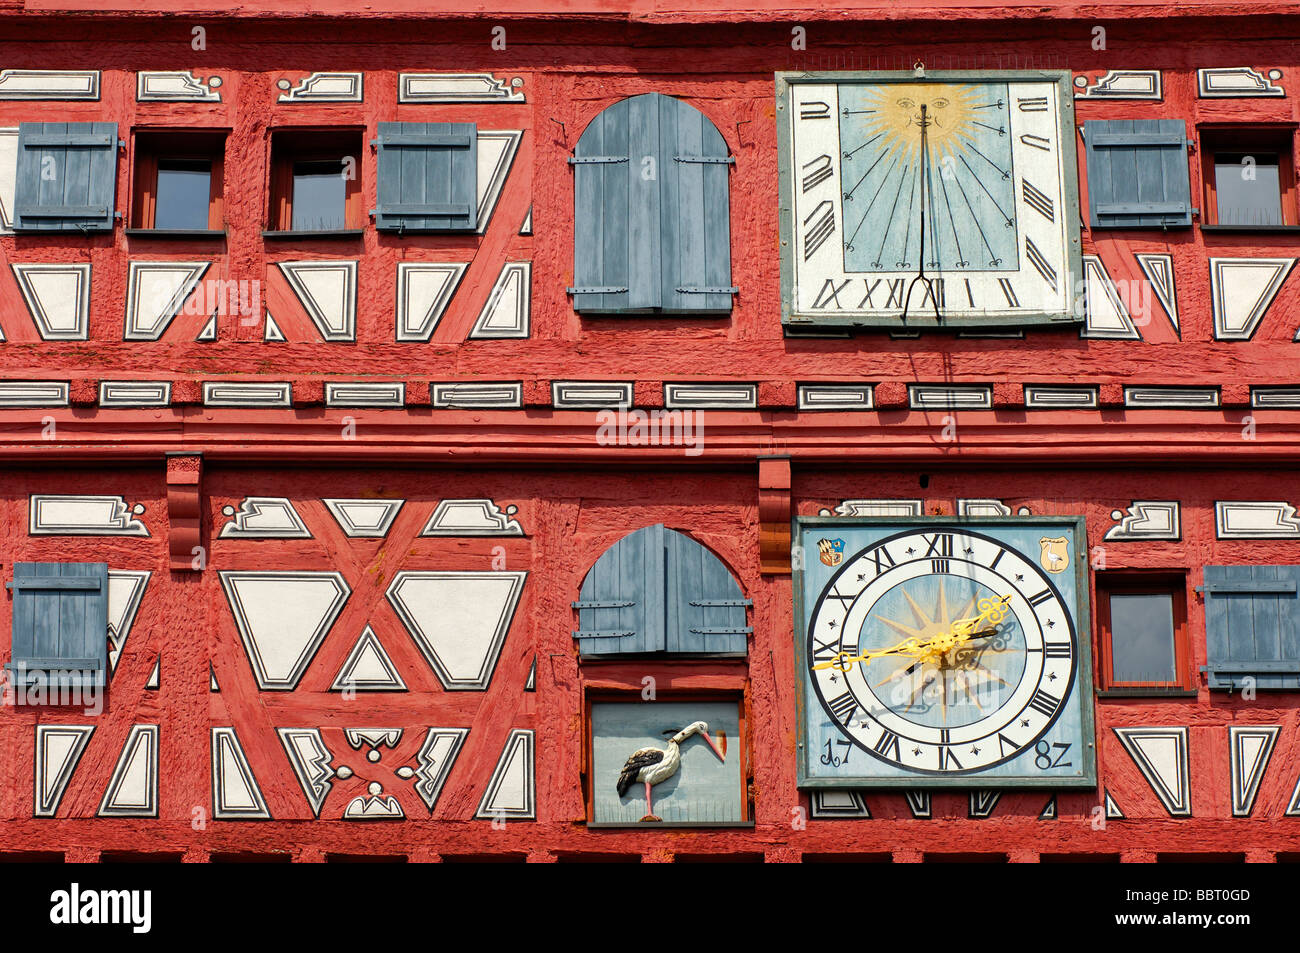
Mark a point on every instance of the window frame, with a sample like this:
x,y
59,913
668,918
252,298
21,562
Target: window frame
x,y
291,146
1244,139
152,146
1130,583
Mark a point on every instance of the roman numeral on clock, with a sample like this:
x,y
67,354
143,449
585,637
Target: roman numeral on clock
x,y
1045,703
844,707
1005,743
814,110
1039,599
938,545
997,559
816,171
1009,293
1039,201
825,651
1032,104
887,745
882,559
1056,650
948,760
818,226
1039,262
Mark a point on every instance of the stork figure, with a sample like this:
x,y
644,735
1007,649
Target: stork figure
x,y
650,765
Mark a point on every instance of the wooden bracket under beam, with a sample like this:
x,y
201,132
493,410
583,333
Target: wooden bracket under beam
x,y
184,516
774,515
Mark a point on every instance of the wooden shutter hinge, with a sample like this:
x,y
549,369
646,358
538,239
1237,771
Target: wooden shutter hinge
x,y
707,160
602,604
603,634
744,630
708,291
595,160
601,290
711,603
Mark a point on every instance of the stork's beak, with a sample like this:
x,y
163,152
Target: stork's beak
x,y
722,737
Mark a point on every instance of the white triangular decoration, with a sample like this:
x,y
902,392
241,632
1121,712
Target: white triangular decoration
x,y
1105,313
423,292
310,760
58,750
510,792
1048,813
125,590
368,668
496,153
58,298
328,293
282,619
1159,270
1161,755
1113,812
209,332
919,803
1250,748
235,793
531,684
507,313
155,676
364,518
212,679
434,762
133,789
459,620
155,293
527,227
1241,289
272,331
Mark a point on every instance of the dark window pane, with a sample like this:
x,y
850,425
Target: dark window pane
x,y
318,196
1248,188
1142,637
184,187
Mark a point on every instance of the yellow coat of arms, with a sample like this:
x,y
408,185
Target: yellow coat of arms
x,y
1056,553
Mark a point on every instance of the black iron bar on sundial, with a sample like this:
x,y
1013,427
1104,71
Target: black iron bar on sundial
x,y
927,283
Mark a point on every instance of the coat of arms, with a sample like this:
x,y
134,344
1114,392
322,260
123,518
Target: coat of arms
x,y
831,551
1055,556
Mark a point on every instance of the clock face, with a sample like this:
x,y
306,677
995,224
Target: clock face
x,y
953,194
944,653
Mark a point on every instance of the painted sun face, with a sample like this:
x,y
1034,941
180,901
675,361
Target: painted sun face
x,y
950,110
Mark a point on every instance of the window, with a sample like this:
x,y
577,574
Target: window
x,y
315,182
178,181
652,229
657,590
1249,177
1252,627
1142,621
1137,173
428,177
66,178
60,623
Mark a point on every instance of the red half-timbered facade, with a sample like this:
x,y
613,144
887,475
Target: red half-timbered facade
x,y
325,341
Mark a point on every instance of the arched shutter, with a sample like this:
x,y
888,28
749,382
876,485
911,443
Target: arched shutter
x,y
657,590
695,224
704,604
651,210
621,603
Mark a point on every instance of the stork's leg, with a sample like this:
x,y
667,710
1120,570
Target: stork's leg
x,y
649,809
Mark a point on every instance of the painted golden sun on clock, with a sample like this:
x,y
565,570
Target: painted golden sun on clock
x,y
950,109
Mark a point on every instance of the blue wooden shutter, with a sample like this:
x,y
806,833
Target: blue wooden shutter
x,y
704,604
695,222
428,176
60,619
616,209
621,603
1252,626
1137,173
66,176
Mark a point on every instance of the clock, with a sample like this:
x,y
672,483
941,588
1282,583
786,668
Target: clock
x,y
963,180
944,653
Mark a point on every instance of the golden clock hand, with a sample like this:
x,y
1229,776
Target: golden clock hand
x,y
843,660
